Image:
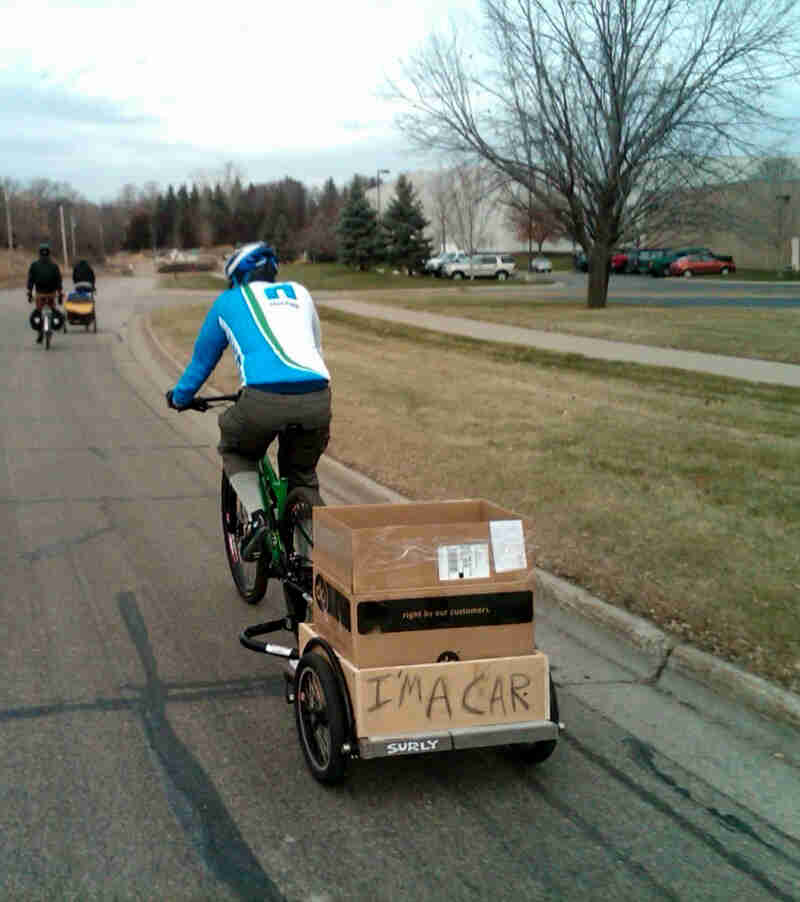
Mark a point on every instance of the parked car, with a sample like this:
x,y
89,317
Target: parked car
x,y
702,265
480,266
639,260
582,264
660,266
433,266
541,264
619,261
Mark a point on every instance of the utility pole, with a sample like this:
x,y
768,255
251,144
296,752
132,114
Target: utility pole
x,y
63,236
783,204
380,173
72,228
102,245
8,218
8,226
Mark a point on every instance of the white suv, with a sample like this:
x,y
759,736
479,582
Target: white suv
x,y
480,266
435,264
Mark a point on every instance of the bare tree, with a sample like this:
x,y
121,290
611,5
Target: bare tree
x,y
473,187
608,110
441,191
530,221
765,205
777,169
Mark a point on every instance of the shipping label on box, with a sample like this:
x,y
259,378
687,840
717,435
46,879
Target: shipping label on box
x,y
467,561
508,545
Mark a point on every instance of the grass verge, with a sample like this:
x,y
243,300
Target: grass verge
x,y
671,494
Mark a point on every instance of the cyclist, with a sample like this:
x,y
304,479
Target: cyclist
x,y
45,276
275,335
83,274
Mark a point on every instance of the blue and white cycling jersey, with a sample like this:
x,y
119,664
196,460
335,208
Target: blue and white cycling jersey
x,y
274,332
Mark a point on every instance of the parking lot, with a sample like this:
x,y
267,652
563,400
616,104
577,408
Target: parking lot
x,y
636,289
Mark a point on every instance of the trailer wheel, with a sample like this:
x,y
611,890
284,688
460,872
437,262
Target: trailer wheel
x,y
537,752
321,718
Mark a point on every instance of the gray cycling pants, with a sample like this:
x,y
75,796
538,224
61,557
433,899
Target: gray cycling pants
x,y
250,426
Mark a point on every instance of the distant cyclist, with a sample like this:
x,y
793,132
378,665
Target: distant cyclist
x,y
83,274
275,335
44,276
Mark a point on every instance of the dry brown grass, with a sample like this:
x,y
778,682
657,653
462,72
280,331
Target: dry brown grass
x,y
14,267
670,494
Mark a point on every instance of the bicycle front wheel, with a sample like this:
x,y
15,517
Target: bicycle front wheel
x,y
250,577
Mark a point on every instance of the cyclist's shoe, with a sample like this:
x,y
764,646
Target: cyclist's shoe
x,y
252,542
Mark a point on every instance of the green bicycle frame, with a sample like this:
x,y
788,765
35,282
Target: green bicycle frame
x,y
274,490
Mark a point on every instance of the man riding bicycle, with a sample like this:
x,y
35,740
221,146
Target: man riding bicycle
x,y
275,335
45,276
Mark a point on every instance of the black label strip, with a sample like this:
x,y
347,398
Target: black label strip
x,y
440,612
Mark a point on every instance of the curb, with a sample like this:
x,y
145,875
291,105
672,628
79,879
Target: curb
x,y
674,657
686,660
755,692
639,632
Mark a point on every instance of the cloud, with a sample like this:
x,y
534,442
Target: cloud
x,y
111,92
24,101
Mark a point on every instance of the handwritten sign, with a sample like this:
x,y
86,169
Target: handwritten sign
x,y
462,693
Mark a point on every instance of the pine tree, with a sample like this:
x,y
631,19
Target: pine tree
x,y
403,227
221,217
358,229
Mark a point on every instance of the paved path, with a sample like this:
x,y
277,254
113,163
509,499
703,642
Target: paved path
x,y
717,364
145,754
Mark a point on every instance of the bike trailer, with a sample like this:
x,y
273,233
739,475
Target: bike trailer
x,y
421,631
79,306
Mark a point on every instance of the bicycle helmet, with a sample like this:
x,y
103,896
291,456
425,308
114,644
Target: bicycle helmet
x,y
253,260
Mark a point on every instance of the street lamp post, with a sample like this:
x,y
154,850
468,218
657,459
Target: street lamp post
x,y
783,203
380,173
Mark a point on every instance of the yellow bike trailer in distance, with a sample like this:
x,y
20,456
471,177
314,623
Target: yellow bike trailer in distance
x,y
79,306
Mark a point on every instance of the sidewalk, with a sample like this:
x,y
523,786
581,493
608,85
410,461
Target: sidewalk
x,y
716,364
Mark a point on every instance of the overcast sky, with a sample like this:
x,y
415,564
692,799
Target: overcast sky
x,y
105,93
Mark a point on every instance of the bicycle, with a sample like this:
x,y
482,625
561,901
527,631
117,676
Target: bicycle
x,y
47,317
281,549
339,706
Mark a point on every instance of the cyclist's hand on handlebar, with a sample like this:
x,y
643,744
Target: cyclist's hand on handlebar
x,y
171,404
194,404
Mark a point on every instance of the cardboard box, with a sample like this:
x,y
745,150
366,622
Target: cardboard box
x,y
426,698
403,584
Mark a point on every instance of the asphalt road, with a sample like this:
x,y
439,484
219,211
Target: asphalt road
x,y
145,755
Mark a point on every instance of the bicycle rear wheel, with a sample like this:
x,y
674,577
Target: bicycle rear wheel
x,y
250,577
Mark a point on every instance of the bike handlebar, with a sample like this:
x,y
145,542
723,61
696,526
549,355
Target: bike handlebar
x,y
203,404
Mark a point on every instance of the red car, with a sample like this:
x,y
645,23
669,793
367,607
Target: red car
x,y
702,265
619,262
